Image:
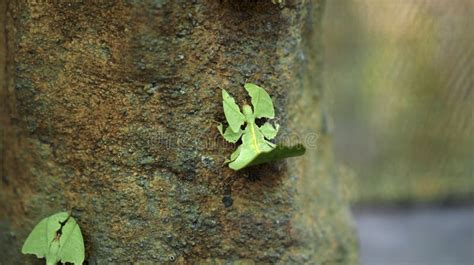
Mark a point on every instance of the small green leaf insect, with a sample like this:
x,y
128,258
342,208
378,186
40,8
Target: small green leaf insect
x,y
57,238
256,147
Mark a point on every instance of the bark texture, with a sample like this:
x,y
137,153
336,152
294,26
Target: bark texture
x,y
109,110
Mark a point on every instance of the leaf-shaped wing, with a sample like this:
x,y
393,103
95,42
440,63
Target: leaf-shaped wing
x,y
268,131
253,143
278,153
37,242
72,243
261,101
52,256
229,135
43,234
234,117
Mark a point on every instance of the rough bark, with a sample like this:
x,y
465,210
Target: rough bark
x,y
109,110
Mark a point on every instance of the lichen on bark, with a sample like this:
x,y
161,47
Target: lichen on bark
x,y
110,112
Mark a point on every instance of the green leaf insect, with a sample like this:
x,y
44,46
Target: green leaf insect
x,y
57,238
256,147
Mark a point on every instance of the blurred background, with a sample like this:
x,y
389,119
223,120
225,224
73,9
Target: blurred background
x,y
399,76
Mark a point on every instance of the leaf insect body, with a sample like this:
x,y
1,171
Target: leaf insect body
x,y
57,238
256,147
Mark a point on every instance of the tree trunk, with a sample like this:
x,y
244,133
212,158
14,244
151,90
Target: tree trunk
x,y
109,110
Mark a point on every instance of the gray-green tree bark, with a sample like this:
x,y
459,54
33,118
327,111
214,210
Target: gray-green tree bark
x,y
109,110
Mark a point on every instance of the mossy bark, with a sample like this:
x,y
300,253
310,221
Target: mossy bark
x,y
109,110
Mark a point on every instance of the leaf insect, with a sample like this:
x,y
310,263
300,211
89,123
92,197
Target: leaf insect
x,y
57,238
256,147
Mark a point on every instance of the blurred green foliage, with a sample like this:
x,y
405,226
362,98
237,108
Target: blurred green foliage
x,y
399,79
